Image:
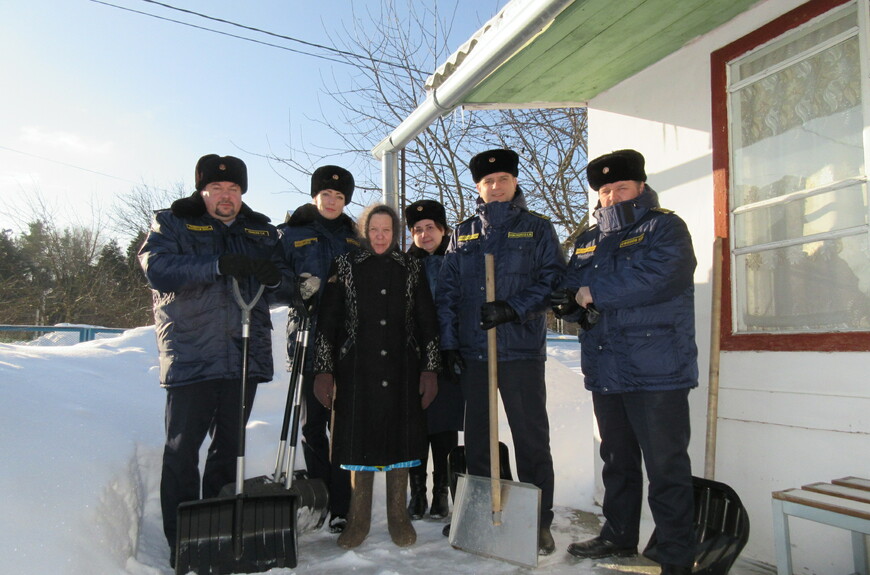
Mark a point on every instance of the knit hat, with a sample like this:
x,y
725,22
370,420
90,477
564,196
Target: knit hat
x,y
332,178
213,168
425,210
616,166
493,161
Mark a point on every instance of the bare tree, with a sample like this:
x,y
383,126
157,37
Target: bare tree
x,y
386,86
396,50
131,214
552,144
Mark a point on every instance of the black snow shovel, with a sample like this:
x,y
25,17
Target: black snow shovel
x,y
240,533
721,526
491,516
312,494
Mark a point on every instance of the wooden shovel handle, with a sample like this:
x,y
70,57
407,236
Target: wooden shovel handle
x,y
492,364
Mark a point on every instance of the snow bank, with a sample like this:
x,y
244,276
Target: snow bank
x,y
81,450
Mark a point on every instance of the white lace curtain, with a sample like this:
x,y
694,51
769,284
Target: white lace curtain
x,y
798,203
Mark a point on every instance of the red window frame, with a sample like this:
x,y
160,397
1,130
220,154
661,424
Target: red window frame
x,y
832,341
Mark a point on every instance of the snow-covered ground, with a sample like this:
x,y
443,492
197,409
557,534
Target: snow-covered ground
x,y
81,448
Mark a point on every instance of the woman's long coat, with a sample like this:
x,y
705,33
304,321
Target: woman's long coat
x,y
377,330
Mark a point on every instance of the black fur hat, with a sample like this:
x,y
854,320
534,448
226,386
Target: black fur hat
x,y
213,168
493,161
616,166
332,178
425,210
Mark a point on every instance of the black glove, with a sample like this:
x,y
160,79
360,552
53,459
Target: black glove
x,y
266,272
454,365
494,313
563,302
237,265
590,317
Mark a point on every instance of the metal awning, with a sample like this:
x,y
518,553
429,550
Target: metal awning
x,y
555,53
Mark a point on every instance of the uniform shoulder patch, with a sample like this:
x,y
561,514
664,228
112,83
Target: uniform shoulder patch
x,y
662,210
540,215
465,220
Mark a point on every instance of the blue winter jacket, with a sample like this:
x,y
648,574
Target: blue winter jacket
x,y
197,319
638,263
309,246
431,262
528,266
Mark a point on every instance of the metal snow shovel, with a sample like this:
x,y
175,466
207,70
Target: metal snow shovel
x,y
494,517
313,495
240,533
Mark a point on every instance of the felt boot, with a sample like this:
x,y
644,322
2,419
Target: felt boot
x,y
398,521
359,518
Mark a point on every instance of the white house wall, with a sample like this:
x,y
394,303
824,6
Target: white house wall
x,y
785,418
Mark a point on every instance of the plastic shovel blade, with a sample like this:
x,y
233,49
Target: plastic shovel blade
x,y
211,542
312,503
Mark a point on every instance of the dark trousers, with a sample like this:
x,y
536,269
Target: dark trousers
x,y
190,412
524,395
650,428
441,444
315,448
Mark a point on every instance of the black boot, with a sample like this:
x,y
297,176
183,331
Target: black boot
x,y
440,491
417,505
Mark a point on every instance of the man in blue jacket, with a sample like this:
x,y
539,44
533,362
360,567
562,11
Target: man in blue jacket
x,y
630,285
190,256
528,266
311,238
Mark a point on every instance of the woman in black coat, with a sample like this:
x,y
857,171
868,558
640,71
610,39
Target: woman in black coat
x,y
376,359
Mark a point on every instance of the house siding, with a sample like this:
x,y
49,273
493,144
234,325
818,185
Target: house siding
x,y
786,418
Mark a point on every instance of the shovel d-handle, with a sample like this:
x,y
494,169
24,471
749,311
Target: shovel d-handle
x,y
492,365
246,308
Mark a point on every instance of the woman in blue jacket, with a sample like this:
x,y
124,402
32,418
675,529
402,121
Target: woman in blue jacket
x,y
311,238
427,221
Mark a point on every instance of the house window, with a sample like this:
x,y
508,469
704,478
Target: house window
x,y
798,215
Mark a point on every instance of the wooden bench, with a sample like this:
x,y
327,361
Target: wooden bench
x,y
843,503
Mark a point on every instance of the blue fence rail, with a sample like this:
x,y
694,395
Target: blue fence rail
x,y
30,332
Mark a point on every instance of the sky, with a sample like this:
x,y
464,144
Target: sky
x,y
98,101
81,452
